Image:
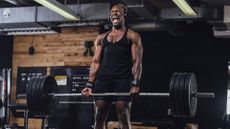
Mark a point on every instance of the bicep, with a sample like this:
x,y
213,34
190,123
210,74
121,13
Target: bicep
x,y
137,49
98,51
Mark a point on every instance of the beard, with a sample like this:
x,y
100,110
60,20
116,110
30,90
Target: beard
x,y
117,26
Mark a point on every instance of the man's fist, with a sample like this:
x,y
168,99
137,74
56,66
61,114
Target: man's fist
x,y
134,92
87,91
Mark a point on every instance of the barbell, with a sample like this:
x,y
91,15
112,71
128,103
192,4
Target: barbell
x,y
41,95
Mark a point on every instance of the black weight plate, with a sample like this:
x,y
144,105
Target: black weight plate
x,y
34,105
191,104
181,94
40,89
178,94
43,95
187,95
38,96
189,98
30,93
1,103
176,101
193,98
1,122
50,86
28,90
175,96
171,93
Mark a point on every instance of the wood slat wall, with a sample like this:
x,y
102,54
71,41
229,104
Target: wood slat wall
x,y
64,49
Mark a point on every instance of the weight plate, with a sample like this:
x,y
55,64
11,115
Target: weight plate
x,y
171,93
187,97
30,93
34,105
28,88
179,94
175,94
193,98
50,86
40,89
183,90
37,95
1,122
1,103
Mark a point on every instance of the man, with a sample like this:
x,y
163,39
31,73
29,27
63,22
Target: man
x,y
116,67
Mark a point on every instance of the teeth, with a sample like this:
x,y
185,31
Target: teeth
x,y
115,18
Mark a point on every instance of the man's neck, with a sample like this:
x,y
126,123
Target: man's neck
x,y
119,29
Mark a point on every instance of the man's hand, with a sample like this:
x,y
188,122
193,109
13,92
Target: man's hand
x,y
134,92
87,91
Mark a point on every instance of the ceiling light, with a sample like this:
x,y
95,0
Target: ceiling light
x,y
184,6
59,8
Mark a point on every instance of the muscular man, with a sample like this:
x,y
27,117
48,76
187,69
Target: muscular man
x,y
116,67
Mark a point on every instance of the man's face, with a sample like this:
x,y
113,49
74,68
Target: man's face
x,y
117,15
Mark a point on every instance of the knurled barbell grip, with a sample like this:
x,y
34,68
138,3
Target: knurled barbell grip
x,y
110,94
199,95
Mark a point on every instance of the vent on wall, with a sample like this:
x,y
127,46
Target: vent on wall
x,y
30,31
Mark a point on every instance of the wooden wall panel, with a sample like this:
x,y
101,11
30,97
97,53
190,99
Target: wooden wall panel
x,y
64,49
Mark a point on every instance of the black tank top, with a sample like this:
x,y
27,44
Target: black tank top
x,y
116,60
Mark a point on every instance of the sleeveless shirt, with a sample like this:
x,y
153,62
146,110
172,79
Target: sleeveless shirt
x,y
116,60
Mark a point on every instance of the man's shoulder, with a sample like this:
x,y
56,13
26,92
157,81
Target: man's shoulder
x,y
102,35
133,34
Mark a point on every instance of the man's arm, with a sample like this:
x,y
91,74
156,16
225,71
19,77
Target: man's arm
x,y
137,52
96,59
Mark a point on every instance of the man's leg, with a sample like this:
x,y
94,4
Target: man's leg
x,y
102,109
123,112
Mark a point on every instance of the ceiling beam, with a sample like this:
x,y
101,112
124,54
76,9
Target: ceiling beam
x,y
14,2
20,2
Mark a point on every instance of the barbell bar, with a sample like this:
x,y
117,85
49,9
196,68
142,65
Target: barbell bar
x,y
143,94
183,93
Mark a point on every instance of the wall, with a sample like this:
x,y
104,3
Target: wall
x,y
64,49
196,51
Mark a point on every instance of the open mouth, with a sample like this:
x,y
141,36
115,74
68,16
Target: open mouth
x,y
115,18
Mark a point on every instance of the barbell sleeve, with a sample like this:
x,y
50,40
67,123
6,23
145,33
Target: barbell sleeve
x,y
205,95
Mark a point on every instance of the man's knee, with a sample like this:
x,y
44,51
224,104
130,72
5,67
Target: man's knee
x,y
123,115
100,115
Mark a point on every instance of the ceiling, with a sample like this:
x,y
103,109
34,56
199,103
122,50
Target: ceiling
x,y
144,14
20,3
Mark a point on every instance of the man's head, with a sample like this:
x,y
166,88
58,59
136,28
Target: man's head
x,y
117,15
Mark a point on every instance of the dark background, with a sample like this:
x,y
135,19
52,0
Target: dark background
x,y
196,51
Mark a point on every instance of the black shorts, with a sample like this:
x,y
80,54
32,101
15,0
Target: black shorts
x,y
115,85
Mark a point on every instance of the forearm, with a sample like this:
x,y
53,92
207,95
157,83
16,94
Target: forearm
x,y
93,71
136,71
